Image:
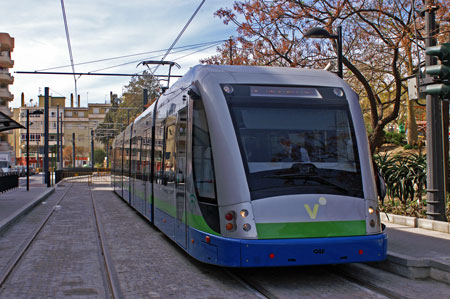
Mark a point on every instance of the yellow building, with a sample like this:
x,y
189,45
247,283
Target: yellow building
x,y
75,120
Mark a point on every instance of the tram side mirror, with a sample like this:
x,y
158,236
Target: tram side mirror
x,y
381,184
381,187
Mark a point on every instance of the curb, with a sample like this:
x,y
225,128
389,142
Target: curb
x,y
4,224
412,267
415,268
439,226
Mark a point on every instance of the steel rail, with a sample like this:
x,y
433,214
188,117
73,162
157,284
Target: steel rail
x,y
9,268
366,284
113,280
256,289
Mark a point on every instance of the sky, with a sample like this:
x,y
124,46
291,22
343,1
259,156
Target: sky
x,y
101,29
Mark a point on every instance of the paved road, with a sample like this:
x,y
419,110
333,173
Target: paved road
x,y
35,180
65,261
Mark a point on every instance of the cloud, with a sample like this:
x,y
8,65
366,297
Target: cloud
x,y
101,29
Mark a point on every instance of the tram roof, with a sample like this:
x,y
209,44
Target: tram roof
x,y
262,74
243,74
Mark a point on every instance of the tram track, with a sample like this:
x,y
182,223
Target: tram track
x,y
252,286
366,284
26,244
111,277
258,290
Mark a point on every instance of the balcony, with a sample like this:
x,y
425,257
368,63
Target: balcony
x,y
6,61
6,42
6,78
6,95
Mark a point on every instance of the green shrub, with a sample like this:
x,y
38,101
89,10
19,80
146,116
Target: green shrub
x,y
395,137
405,176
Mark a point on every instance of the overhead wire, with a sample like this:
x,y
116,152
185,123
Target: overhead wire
x,y
66,27
181,33
153,57
132,55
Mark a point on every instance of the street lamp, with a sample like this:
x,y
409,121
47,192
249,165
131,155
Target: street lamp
x,y
318,32
35,112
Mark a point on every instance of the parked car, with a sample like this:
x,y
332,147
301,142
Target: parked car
x,y
20,170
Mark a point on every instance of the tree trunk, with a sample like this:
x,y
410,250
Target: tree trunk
x,y
412,136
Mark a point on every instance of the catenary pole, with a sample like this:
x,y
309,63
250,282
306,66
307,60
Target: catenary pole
x,y
57,138
73,149
28,149
46,139
435,171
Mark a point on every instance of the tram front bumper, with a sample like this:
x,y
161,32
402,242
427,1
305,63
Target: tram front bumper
x,y
288,252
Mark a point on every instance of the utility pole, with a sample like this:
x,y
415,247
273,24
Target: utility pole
x,y
73,149
107,152
46,156
145,98
28,149
92,148
61,136
231,50
57,138
435,169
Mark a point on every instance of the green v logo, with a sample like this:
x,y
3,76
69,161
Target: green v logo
x,y
312,214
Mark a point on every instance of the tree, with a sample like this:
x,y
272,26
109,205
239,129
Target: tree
x,y
99,156
378,36
80,151
117,119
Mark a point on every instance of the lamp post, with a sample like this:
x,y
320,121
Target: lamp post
x,y
57,138
61,141
28,144
318,32
46,137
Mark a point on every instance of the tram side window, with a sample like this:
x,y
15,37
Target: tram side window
x,y
158,152
203,167
169,155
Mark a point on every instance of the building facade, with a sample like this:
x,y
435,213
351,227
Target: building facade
x,y
75,126
6,47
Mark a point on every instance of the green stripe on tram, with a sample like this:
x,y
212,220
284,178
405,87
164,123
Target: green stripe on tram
x,y
195,221
311,229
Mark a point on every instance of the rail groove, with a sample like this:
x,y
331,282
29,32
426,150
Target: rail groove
x,y
113,281
9,268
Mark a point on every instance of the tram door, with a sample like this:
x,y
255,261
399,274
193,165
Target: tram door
x,y
180,189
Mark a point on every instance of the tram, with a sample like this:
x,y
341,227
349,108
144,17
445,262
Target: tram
x,y
247,166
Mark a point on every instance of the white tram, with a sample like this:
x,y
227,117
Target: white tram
x,y
255,166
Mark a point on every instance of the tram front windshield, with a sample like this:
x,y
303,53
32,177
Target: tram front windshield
x,y
301,142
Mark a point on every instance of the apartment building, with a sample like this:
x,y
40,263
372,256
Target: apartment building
x,y
74,122
6,47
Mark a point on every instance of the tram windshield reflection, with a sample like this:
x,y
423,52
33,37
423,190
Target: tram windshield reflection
x,y
275,136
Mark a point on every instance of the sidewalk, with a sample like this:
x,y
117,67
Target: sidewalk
x,y
17,202
416,252
413,252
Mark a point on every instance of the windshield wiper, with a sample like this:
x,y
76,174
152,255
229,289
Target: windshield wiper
x,y
312,177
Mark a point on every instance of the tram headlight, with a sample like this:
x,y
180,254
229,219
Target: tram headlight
x,y
339,92
244,213
247,227
228,89
371,210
